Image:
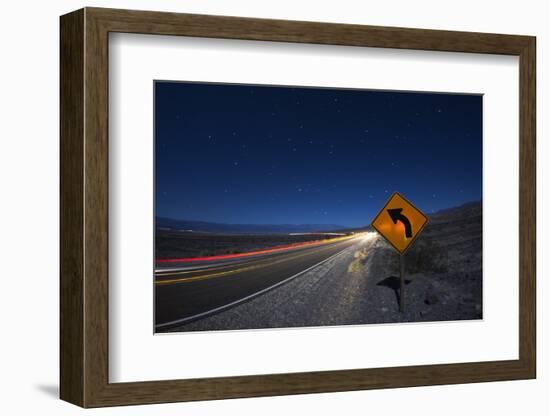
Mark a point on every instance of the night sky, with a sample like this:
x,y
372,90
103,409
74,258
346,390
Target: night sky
x,y
283,155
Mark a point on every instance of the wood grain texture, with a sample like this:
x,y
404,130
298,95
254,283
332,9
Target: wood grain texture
x,y
527,207
71,100
162,23
84,207
96,218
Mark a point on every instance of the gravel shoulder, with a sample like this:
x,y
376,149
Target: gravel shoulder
x,y
361,284
318,297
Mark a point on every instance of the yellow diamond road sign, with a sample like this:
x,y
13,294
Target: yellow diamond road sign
x,y
399,222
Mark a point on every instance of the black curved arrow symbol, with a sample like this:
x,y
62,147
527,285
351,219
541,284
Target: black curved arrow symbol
x,y
396,215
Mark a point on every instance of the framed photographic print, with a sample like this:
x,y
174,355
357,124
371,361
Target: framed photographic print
x,y
256,207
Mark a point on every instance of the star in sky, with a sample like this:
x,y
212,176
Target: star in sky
x,y
354,151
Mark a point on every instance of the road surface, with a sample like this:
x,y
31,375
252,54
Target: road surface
x,y
190,292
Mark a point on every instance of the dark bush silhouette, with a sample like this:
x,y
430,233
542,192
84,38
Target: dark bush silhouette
x,y
426,255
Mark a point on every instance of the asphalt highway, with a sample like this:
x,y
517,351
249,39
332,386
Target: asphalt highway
x,y
187,294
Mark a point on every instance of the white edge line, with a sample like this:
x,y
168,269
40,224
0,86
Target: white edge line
x,y
253,295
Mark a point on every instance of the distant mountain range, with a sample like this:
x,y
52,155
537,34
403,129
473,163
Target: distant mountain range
x,y
469,209
465,210
220,228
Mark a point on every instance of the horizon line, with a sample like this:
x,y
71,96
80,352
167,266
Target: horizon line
x,y
480,201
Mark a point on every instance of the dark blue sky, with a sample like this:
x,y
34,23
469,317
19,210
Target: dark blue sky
x,y
273,155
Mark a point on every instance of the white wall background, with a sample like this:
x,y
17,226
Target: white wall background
x,y
29,211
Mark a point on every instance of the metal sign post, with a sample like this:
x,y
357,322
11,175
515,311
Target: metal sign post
x,y
400,222
402,283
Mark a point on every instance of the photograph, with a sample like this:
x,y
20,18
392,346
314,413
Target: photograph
x,y
278,204
281,206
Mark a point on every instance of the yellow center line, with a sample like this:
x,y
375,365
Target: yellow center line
x,y
207,270
161,273
209,276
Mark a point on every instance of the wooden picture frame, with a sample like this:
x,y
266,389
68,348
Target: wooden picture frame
x,y
84,207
